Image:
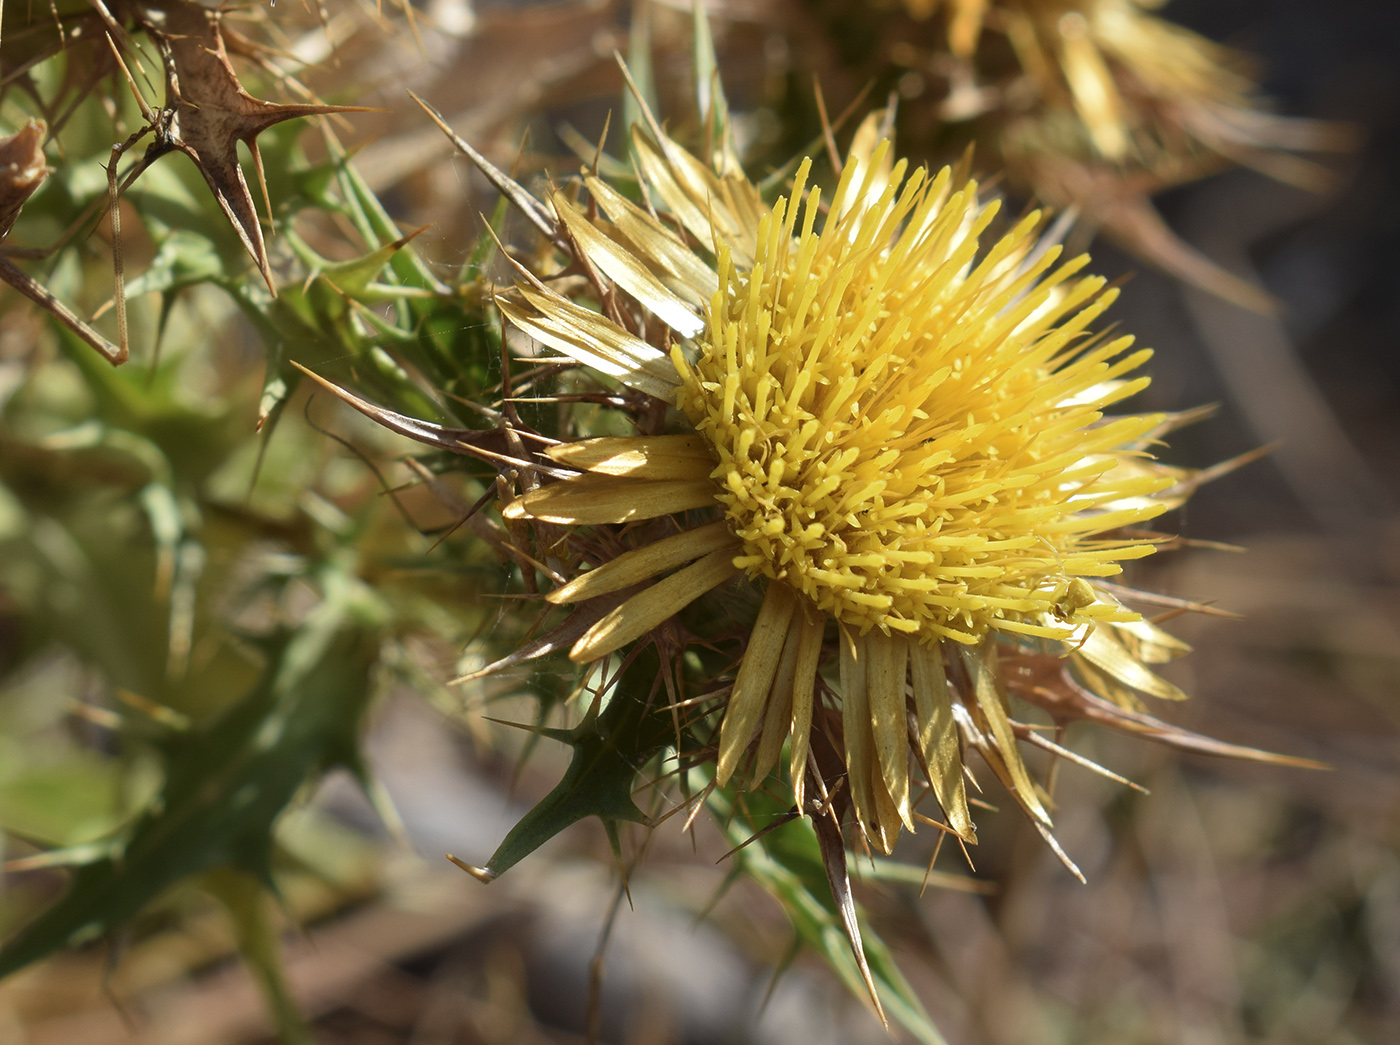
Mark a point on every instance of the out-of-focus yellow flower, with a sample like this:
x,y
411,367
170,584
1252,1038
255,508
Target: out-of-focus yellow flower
x,y
1105,103
894,428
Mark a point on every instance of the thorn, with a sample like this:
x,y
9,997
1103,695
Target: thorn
x,y
482,874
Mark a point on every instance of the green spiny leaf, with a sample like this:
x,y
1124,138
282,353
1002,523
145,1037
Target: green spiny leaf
x,y
639,63
609,748
787,862
709,93
226,782
246,902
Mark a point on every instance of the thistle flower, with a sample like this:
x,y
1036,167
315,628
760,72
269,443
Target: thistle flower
x,y
894,429
1099,104
1145,91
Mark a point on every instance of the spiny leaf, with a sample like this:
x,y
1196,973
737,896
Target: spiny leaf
x,y
639,43
354,276
183,259
61,802
709,94
246,902
225,784
790,866
609,748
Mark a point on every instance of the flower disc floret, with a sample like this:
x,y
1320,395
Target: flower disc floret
x,y
907,435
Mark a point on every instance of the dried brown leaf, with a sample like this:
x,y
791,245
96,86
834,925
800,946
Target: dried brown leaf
x,y
207,112
1045,682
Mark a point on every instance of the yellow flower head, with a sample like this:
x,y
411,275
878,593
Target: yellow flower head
x,y
906,434
898,431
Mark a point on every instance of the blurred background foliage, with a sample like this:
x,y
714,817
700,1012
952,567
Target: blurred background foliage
x,y
224,596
